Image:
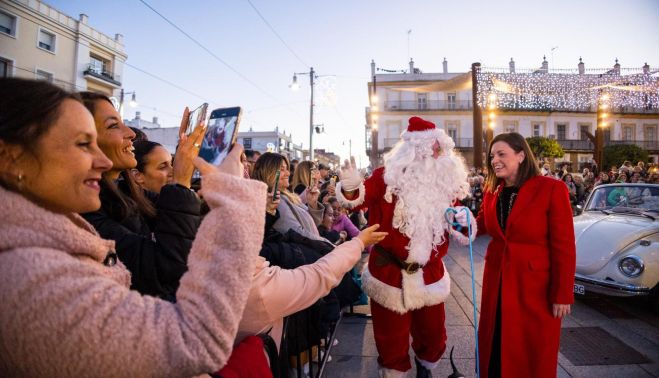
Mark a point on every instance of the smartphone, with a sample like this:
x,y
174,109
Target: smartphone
x,y
221,134
276,186
196,118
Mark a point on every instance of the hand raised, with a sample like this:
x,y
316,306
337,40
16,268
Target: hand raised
x,y
369,236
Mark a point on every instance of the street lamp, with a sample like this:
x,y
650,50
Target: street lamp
x,y
133,101
491,115
602,123
295,86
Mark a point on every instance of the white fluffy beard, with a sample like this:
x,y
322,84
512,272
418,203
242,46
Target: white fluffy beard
x,y
425,188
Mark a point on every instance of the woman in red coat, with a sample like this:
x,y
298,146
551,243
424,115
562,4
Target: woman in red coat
x,y
529,266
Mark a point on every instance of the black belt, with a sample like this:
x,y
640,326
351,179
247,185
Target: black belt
x,y
385,257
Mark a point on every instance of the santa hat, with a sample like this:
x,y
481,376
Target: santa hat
x,y
420,129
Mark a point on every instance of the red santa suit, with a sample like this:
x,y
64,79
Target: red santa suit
x,y
407,295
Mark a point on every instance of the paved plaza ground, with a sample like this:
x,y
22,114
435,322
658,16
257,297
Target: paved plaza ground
x,y
603,337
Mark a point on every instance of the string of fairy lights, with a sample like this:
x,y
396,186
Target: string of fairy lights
x,y
568,90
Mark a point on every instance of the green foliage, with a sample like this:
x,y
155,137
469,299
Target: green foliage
x,y
617,154
545,148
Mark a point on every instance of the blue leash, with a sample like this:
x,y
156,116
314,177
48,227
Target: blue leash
x,y
447,214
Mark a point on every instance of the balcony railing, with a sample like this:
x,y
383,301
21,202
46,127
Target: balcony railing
x,y
393,106
579,109
587,145
459,143
109,77
567,144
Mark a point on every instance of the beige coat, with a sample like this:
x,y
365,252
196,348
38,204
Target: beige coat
x,y
278,292
64,313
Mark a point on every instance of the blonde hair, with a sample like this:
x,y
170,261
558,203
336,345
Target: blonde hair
x,y
302,174
265,170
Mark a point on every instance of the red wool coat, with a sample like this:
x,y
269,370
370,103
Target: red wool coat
x,y
535,261
383,283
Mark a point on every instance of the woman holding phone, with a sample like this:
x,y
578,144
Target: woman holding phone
x,y
67,310
153,234
293,213
529,265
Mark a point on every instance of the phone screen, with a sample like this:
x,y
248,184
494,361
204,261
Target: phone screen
x,y
196,117
221,134
276,186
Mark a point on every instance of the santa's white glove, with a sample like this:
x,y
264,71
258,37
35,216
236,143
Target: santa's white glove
x,y
350,176
461,216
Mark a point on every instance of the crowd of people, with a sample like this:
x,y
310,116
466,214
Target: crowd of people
x,y
116,261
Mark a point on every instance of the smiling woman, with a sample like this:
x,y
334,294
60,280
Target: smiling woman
x,y
153,220
65,295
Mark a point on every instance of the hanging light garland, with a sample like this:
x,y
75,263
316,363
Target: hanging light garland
x,y
568,90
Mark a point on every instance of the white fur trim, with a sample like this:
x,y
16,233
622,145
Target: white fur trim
x,y
426,364
414,294
390,373
426,134
461,238
351,204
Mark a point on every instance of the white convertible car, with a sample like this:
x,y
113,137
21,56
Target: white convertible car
x,y
617,236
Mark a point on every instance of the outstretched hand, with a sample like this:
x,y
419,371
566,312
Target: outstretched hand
x,y
350,176
369,236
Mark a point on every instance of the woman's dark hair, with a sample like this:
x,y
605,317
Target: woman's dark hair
x,y
89,99
527,169
139,135
28,109
142,149
122,203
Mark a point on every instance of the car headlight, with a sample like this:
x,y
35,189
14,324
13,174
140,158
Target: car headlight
x,y
631,266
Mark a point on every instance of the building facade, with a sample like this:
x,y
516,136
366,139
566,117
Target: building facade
x,y
272,141
39,42
447,100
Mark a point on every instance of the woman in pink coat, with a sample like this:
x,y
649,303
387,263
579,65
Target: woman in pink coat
x,y
67,310
529,265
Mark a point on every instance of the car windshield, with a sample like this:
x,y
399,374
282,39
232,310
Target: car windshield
x,y
645,198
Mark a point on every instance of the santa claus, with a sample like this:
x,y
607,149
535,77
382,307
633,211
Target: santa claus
x,y
405,276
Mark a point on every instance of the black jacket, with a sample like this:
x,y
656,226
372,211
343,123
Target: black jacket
x,y
155,250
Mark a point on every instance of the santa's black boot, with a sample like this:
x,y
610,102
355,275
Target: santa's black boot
x,y
421,371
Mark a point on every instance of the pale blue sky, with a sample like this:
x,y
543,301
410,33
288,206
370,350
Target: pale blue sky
x,y
340,38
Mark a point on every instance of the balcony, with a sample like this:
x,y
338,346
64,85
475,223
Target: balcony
x,y
92,72
519,107
586,145
459,143
394,106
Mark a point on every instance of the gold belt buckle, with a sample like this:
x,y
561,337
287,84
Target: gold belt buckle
x,y
412,268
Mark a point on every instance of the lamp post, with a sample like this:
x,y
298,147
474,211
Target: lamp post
x,y
295,86
602,123
133,102
373,99
478,117
491,115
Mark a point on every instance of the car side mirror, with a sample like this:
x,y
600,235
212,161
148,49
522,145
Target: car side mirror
x,y
579,210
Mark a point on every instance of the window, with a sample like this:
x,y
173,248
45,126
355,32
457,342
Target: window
x,y
537,129
583,129
510,126
650,133
628,133
5,68
450,99
46,40
561,131
7,23
422,101
452,130
247,143
96,65
43,75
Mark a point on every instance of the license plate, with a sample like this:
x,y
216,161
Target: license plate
x,y
579,289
